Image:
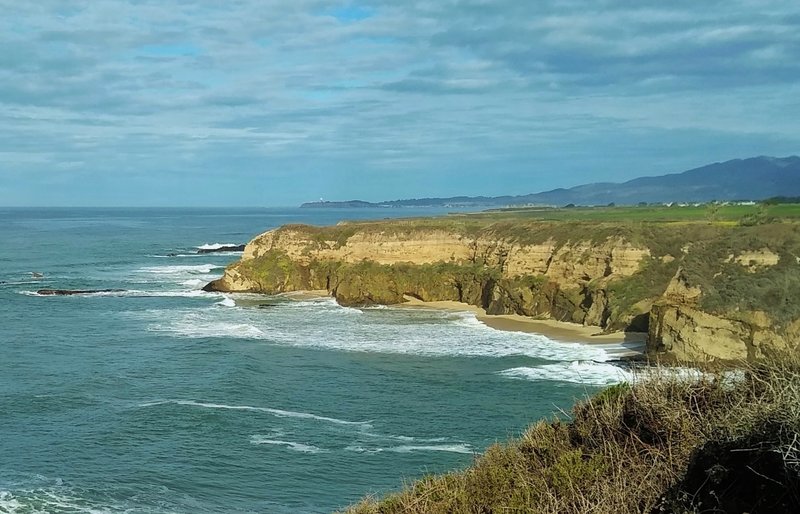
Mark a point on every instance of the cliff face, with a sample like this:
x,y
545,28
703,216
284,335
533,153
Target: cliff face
x,y
678,326
615,277
564,281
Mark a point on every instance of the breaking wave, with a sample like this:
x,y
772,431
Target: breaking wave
x,y
452,448
215,246
298,447
577,372
395,331
180,270
269,410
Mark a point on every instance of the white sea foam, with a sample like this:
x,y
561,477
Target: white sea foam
x,y
405,438
579,372
194,283
298,447
601,373
360,449
275,412
452,448
180,269
227,302
44,501
215,246
308,324
8,503
165,294
324,303
194,326
470,320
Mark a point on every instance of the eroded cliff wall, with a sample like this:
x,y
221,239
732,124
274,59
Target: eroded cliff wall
x,y
675,282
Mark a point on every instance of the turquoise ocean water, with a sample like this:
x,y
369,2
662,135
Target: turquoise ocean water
x,y
162,398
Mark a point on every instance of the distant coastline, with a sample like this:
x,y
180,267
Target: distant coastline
x,y
755,178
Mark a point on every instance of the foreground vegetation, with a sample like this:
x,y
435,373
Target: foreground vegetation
x,y
715,443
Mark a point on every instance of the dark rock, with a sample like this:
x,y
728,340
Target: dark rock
x,y
212,287
231,248
72,292
749,474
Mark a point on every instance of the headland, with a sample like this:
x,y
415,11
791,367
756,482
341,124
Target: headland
x,y
703,282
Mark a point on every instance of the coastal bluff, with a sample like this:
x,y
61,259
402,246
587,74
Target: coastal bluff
x,y
701,290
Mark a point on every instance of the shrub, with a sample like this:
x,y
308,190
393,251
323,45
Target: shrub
x,y
718,442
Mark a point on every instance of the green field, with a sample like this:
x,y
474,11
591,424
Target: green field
x,y
656,213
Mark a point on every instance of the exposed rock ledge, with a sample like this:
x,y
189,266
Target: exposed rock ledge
x,y
600,275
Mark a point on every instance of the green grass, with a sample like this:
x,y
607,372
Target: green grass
x,y
650,283
662,214
716,443
535,225
370,282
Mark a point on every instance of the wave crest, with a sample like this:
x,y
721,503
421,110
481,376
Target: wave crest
x,y
269,410
577,372
294,446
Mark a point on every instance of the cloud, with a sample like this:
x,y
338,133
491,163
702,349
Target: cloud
x,y
469,96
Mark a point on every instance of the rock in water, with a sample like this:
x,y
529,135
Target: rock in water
x,y
224,248
72,292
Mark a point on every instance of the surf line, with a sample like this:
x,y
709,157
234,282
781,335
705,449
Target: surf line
x,y
275,412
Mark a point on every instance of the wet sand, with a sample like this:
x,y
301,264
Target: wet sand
x,y
556,330
306,295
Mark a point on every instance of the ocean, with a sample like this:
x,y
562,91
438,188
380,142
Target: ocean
x,y
161,398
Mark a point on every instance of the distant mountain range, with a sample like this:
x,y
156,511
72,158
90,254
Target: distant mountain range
x,y
756,178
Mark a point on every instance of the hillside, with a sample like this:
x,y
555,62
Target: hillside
x,y
714,443
755,178
705,283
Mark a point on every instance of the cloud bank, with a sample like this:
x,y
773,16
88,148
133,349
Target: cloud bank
x,y
195,102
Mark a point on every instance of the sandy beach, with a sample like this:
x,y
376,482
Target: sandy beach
x,y
556,330
561,331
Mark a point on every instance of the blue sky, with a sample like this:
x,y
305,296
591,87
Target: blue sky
x,y
272,103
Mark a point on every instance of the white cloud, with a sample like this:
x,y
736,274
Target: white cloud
x,y
138,87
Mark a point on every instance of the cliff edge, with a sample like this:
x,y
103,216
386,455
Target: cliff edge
x,y
701,290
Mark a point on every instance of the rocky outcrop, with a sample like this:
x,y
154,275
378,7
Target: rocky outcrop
x,y
689,334
221,249
679,327
674,282
549,279
74,292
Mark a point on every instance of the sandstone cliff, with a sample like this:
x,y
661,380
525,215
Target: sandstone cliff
x,y
677,282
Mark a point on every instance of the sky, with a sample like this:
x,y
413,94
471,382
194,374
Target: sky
x,y
274,103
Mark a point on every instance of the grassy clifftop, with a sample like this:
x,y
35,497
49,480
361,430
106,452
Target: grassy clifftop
x,y
716,281
717,443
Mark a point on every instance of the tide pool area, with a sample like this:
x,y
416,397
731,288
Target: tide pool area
x,y
153,396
